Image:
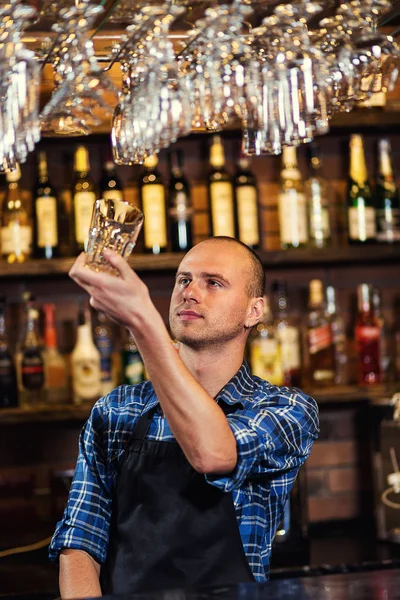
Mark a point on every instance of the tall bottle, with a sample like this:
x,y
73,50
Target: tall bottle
x,y
386,362
83,198
338,335
360,206
16,229
316,189
289,335
387,198
265,349
367,337
56,387
292,207
31,361
247,205
85,363
45,213
180,210
132,364
152,193
104,344
8,375
110,185
321,349
221,193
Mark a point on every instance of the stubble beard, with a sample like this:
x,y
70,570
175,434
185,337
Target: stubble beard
x,y
213,338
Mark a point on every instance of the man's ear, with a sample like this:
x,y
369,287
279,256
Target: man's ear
x,y
255,313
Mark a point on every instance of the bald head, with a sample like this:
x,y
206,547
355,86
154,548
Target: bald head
x,y
255,274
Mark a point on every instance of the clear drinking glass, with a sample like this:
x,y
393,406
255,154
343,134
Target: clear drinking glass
x,y
115,225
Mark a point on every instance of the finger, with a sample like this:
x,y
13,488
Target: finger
x,y
118,263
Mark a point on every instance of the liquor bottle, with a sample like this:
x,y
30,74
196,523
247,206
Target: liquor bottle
x,y
65,225
56,388
321,349
180,209
292,207
220,190
265,349
83,198
247,205
152,193
132,364
45,213
386,365
367,337
110,185
338,335
289,336
85,363
387,198
31,362
16,229
316,189
104,344
8,375
360,207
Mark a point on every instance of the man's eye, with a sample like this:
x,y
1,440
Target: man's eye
x,y
183,280
214,283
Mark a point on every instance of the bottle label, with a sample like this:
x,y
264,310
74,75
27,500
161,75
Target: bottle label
x,y
266,360
246,197
181,209
83,206
16,239
388,225
222,215
290,347
112,195
319,224
134,369
155,227
292,218
368,333
319,338
361,222
86,378
32,372
46,219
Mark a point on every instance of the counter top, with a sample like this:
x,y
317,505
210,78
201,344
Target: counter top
x,y
372,585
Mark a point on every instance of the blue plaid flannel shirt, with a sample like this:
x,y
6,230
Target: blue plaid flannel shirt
x,y
274,428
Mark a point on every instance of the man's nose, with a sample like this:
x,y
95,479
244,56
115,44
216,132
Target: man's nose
x,y
192,292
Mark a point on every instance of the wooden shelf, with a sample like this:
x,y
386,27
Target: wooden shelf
x,y
341,255
375,395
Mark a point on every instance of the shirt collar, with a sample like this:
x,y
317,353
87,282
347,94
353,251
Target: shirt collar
x,y
239,388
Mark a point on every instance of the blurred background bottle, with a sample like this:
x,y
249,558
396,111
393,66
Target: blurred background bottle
x,y
265,349
292,207
152,195
247,204
103,340
83,198
30,361
360,205
221,193
16,228
56,387
45,213
338,335
387,197
316,190
85,362
132,364
8,375
367,337
110,185
180,210
288,334
321,351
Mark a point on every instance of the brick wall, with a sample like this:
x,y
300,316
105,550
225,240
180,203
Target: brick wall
x,y
339,480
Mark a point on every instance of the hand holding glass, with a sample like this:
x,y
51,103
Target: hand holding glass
x,y
115,225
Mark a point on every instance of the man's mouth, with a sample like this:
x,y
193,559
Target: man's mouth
x,y
189,315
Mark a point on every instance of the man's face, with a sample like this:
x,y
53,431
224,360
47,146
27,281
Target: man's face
x,y
209,303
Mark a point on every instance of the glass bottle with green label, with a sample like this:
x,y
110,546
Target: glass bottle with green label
x,y
387,198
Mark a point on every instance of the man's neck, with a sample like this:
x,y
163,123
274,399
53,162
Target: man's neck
x,y
212,368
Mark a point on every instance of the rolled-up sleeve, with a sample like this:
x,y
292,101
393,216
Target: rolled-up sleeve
x,y
86,520
274,435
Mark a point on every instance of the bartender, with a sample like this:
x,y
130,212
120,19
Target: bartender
x,y
182,480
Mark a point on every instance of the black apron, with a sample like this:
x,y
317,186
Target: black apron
x,y
169,527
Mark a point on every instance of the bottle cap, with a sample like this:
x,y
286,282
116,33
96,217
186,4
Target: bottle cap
x,y
14,175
